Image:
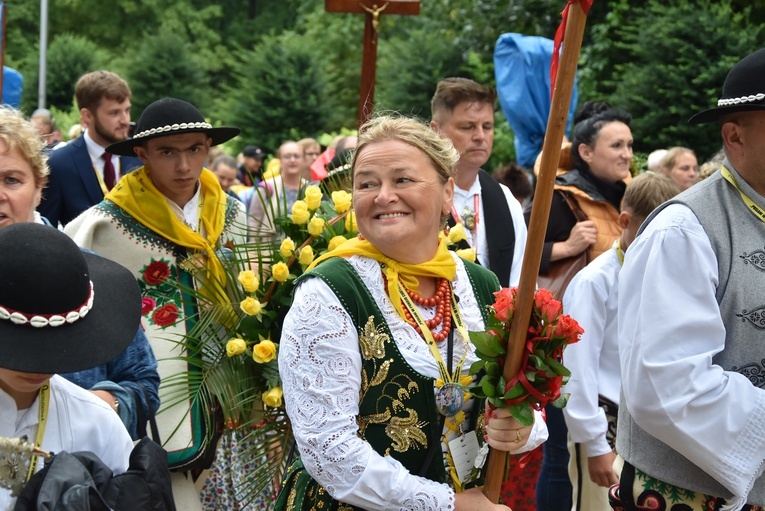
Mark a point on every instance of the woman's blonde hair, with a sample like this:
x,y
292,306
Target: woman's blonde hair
x,y
440,150
19,133
669,159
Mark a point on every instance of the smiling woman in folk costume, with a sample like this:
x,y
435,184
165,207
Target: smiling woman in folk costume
x,y
168,220
375,353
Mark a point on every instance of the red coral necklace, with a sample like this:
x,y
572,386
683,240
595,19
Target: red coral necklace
x,y
442,300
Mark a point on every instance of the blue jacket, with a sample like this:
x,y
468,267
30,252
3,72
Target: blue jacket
x,y
131,375
72,184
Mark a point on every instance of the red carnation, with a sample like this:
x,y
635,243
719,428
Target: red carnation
x,y
147,305
165,315
504,303
156,273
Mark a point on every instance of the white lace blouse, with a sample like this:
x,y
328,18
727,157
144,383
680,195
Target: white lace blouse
x,y
320,366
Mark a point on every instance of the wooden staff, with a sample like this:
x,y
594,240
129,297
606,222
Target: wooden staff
x,y
556,124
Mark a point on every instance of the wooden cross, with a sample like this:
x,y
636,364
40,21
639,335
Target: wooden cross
x,y
372,9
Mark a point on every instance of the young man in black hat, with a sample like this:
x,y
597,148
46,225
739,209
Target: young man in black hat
x,y
61,310
169,218
691,302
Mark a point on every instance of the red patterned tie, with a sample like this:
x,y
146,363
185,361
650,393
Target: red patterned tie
x,y
110,176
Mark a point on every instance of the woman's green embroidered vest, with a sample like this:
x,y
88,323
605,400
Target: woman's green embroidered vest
x,y
397,410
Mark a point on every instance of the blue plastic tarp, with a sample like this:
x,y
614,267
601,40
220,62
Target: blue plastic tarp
x,y
522,69
12,82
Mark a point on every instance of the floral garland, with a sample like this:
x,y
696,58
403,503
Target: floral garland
x,y
542,373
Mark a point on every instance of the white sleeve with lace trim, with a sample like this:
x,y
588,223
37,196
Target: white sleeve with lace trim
x,y
320,367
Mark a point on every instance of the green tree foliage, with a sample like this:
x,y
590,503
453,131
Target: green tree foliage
x,y
69,57
163,66
654,61
276,95
407,85
334,42
22,35
660,59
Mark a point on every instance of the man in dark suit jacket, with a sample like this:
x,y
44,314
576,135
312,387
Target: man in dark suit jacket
x,y
81,173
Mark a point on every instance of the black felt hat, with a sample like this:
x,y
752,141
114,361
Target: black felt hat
x,y
170,116
743,90
51,321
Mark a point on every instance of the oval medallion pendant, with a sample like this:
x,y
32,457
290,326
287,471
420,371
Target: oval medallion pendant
x,y
449,399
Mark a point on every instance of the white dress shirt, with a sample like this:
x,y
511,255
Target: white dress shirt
x,y
464,198
669,329
592,299
77,421
96,153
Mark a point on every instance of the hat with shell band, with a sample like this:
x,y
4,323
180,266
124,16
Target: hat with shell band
x,y
61,309
170,116
743,90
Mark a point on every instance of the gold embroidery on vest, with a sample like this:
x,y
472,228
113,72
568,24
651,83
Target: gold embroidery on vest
x,y
405,432
291,499
372,340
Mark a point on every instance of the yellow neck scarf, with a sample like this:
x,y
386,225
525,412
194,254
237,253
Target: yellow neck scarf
x,y
441,266
136,194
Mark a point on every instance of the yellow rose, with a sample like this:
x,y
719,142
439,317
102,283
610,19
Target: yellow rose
x,y
287,248
235,347
273,397
300,213
280,272
306,255
264,351
250,306
457,234
342,201
336,241
468,254
350,222
248,280
315,226
313,197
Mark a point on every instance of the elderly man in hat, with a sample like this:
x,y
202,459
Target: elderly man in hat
x,y
169,220
691,303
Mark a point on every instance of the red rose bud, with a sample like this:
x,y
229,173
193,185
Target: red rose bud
x,y
504,303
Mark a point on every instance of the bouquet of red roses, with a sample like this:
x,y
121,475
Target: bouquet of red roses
x,y
542,374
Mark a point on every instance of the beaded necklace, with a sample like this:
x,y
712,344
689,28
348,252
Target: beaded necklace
x,y
442,301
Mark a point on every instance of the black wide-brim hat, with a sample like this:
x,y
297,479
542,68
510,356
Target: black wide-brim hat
x,y
170,116
743,90
45,292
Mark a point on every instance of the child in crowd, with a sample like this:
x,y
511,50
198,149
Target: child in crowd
x,y
591,298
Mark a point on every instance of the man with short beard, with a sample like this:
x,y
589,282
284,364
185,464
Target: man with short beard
x,y
82,172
